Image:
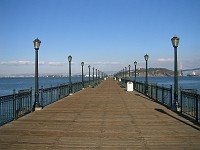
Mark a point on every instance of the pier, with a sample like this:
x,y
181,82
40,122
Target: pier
x,y
104,117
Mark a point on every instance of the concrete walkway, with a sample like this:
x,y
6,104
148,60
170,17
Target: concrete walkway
x,y
105,117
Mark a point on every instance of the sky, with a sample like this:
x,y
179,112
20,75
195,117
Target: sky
x,y
106,34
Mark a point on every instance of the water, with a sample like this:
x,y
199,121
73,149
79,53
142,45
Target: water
x,y
7,85
184,82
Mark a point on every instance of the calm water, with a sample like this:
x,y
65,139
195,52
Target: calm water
x,y
7,85
185,82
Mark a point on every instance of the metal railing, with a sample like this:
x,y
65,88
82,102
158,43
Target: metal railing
x,y
19,104
52,94
190,104
189,100
160,94
15,105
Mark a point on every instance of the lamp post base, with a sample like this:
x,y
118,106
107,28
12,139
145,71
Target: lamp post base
x,y
38,108
176,106
178,109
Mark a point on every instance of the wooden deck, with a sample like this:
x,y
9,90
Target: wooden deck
x,y
105,117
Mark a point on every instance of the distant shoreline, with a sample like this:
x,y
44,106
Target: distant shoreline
x,y
91,77
141,72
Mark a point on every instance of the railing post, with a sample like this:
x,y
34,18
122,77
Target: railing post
x,y
59,92
162,94
142,88
51,92
1,111
181,101
72,88
76,87
134,85
68,86
197,109
42,97
171,96
14,105
31,99
156,92
19,108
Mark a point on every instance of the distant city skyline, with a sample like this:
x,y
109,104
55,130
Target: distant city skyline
x,y
106,34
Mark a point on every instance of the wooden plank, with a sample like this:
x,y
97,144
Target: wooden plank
x,y
105,117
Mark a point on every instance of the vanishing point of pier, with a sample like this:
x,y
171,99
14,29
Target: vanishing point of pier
x,y
104,117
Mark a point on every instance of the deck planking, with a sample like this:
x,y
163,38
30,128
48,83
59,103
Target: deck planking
x,y
104,117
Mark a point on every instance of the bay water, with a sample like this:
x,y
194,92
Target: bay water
x,y
7,85
184,82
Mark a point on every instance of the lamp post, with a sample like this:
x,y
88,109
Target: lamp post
x,y
125,71
135,64
36,46
146,57
96,76
129,71
82,64
89,74
175,42
93,75
70,80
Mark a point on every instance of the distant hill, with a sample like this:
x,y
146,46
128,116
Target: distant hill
x,y
151,72
140,72
156,72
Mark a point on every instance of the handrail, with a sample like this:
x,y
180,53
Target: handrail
x,y
189,101
160,94
15,105
19,104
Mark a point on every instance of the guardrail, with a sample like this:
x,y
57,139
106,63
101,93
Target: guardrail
x,y
190,104
160,94
189,100
19,104
15,105
52,94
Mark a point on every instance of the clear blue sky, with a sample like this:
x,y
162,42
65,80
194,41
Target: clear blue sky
x,y
107,34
